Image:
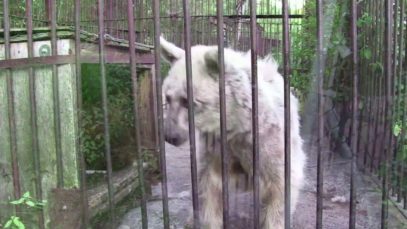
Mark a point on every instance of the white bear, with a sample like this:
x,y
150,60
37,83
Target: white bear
x,y
205,77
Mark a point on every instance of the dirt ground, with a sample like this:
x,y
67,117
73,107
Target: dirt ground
x,y
335,207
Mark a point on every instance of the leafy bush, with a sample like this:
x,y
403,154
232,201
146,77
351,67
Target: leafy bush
x,y
27,202
120,113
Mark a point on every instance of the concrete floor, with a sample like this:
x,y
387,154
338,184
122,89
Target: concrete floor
x,y
335,212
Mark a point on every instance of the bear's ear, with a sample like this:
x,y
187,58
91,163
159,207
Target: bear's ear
x,y
169,51
211,61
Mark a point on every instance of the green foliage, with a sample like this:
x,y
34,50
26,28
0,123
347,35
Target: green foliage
x,y
152,161
397,129
364,20
29,201
15,222
303,43
119,92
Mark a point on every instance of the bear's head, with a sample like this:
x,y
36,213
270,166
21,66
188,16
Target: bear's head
x,y
205,85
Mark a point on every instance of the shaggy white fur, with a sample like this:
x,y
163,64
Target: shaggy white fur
x,y
205,78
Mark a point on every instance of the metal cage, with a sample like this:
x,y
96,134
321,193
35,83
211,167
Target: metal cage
x,y
356,110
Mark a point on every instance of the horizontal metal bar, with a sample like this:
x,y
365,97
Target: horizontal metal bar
x,y
232,16
37,61
70,59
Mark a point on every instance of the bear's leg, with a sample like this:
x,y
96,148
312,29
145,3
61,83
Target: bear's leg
x,y
272,201
210,189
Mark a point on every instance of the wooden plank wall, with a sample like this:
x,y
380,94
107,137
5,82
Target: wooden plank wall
x,y
46,129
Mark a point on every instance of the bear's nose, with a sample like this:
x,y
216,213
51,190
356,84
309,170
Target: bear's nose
x,y
173,140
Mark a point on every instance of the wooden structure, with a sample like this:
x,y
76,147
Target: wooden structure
x,y
17,70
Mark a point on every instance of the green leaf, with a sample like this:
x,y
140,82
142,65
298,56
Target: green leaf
x,y
8,223
18,223
367,53
397,130
30,203
17,202
27,195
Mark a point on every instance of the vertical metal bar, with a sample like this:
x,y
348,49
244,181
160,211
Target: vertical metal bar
x,y
403,109
370,87
132,50
382,148
48,10
160,121
101,27
320,79
222,97
109,16
142,28
55,87
364,87
10,101
255,112
377,41
33,109
191,120
388,39
400,141
81,156
287,117
404,192
393,164
355,94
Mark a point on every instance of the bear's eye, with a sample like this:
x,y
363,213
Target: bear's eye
x,y
168,99
184,102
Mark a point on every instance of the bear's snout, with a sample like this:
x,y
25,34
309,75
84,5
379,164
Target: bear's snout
x,y
174,134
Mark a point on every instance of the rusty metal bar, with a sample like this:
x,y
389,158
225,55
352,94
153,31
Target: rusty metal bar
x,y
81,156
287,117
109,15
33,109
101,26
355,112
10,101
320,79
393,152
393,166
403,191
388,39
400,140
36,61
191,120
369,94
377,41
255,112
132,50
48,10
233,16
55,91
383,145
160,121
366,90
222,100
